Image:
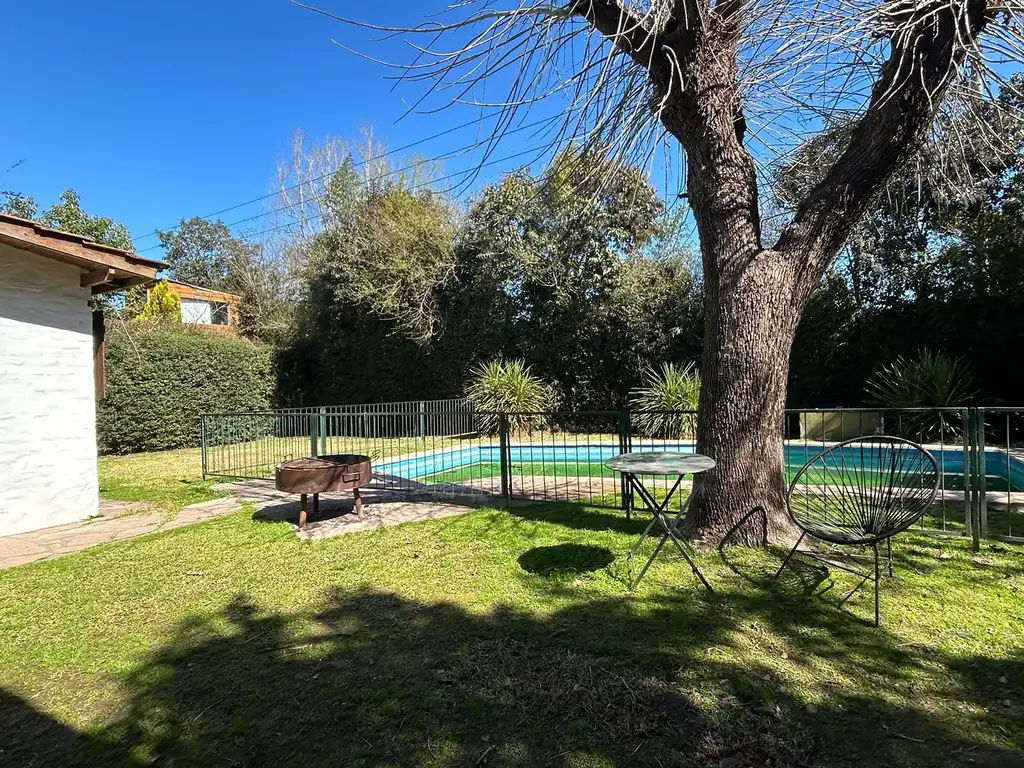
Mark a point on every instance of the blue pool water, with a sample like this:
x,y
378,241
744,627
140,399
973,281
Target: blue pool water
x,y
1000,467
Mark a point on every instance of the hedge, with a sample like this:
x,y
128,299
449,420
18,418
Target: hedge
x,y
161,378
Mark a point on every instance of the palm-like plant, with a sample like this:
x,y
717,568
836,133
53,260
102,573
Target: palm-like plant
x,y
508,387
663,406
930,380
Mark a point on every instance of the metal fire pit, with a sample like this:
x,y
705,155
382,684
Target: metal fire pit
x,y
327,474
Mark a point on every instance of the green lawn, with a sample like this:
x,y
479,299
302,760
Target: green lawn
x,y
499,638
169,479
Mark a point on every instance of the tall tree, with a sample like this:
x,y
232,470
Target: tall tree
x,y
67,215
390,253
205,253
200,252
570,268
363,234
707,72
17,204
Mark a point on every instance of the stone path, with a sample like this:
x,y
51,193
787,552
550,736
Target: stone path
x,y
117,520
381,507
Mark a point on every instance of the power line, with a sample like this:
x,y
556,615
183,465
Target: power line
x,y
323,176
412,188
417,163
394,172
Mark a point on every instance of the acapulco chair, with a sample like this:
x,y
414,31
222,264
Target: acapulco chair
x,y
861,492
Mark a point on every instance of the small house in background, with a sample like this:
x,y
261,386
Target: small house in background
x,y
207,309
51,367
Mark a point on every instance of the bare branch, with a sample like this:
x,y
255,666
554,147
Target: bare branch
x,y
929,43
622,27
774,72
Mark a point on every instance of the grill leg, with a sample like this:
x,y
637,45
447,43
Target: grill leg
x,y
316,504
359,502
302,511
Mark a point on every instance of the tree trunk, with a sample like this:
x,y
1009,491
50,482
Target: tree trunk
x,y
754,297
751,319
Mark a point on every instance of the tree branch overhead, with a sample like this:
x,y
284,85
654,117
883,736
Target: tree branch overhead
x,y
739,86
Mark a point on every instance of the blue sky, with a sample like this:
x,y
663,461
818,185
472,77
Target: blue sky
x,y
157,111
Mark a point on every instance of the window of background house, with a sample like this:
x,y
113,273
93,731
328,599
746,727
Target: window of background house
x,y
195,311
219,314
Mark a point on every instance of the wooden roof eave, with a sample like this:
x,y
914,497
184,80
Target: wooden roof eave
x,y
105,268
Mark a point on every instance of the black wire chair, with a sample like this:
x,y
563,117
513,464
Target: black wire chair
x,y
862,492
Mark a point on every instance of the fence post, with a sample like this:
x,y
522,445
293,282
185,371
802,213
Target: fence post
x,y
624,440
971,479
314,423
504,458
423,419
202,441
323,432
981,487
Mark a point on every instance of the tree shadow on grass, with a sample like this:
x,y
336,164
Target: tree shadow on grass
x,y
31,737
583,517
565,559
373,679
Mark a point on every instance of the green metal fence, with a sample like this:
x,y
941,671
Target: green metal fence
x,y
997,472
250,444
436,446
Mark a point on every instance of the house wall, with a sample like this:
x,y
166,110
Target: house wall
x,y
47,406
196,293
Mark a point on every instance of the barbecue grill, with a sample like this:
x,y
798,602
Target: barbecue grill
x,y
326,474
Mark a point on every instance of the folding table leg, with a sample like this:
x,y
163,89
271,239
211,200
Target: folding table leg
x,y
668,528
650,560
670,533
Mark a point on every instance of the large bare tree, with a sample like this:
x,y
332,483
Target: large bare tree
x,y
737,84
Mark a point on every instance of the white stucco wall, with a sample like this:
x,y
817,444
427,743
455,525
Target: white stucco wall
x,y
47,395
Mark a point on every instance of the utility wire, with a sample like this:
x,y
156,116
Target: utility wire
x,y
465,172
410,166
323,176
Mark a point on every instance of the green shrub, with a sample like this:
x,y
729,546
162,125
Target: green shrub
x,y
930,380
161,378
657,405
508,387
162,305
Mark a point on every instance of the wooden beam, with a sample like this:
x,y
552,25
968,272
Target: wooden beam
x,y
97,277
81,255
119,284
99,353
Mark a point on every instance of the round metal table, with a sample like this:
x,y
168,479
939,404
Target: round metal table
x,y
633,466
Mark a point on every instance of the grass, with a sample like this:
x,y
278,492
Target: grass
x,y
499,638
169,480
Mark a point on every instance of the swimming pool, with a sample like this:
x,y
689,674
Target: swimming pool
x,y
1003,472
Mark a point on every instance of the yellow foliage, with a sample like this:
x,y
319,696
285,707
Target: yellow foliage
x,y
162,304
